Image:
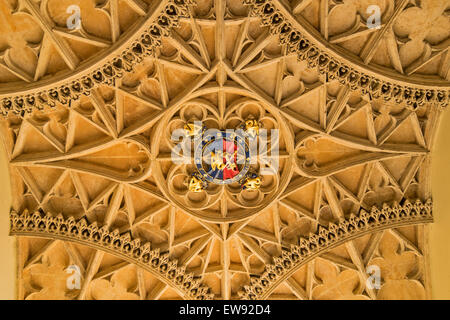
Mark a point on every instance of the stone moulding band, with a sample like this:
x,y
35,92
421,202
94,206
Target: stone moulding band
x,y
143,46
51,227
275,16
336,234
123,246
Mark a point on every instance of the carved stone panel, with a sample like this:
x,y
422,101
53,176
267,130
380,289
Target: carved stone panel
x,y
92,122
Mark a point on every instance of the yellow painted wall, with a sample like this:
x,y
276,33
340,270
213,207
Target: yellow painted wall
x,y
440,230
7,243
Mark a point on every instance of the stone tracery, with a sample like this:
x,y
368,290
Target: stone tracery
x,y
347,145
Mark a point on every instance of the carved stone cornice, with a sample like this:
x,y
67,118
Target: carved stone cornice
x,y
300,40
336,234
123,246
109,157
297,38
122,59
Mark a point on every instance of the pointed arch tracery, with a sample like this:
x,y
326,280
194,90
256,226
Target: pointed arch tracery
x,y
354,138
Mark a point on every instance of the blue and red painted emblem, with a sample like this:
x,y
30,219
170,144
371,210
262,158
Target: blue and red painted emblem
x,y
223,157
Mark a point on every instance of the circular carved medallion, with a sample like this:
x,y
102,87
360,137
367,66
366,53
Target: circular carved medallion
x,y
223,157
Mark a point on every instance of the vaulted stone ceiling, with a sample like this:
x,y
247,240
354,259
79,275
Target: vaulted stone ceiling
x,y
88,116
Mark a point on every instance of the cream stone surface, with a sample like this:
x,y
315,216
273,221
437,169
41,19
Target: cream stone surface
x,y
8,272
439,236
88,123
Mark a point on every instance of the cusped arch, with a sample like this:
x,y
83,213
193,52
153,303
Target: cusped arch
x,y
131,49
399,166
309,45
336,234
123,246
